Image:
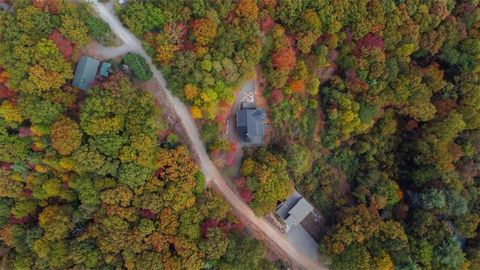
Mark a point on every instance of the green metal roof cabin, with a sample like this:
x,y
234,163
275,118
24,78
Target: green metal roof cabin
x,y
105,69
85,72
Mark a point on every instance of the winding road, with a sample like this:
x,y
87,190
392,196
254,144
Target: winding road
x,y
261,228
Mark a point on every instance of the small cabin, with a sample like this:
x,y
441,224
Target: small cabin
x,y
86,72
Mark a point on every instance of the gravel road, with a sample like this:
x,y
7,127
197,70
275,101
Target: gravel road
x,y
260,227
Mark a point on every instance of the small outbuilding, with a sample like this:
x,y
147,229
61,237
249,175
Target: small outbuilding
x,y
85,72
250,125
293,210
105,69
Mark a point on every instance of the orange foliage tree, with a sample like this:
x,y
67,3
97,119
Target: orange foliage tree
x,y
247,9
284,59
66,136
3,76
203,31
196,112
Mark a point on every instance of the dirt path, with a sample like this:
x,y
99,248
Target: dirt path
x,y
260,227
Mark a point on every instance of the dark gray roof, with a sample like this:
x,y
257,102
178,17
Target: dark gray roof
x,y
4,7
85,72
247,105
250,126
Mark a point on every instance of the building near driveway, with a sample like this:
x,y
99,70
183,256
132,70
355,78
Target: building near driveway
x,y
86,72
292,213
250,125
293,210
250,120
105,69
4,6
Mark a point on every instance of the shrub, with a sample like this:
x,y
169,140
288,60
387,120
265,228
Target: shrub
x,y
138,65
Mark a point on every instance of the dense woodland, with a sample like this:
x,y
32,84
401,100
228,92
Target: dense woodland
x,y
375,106
85,180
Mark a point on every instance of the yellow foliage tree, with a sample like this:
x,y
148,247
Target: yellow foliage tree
x,y
384,262
190,91
66,136
75,30
10,112
204,31
196,112
247,9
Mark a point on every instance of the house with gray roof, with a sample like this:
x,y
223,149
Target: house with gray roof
x,y
5,7
250,125
85,72
293,210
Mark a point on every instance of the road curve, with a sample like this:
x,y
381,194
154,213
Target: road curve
x,y
260,227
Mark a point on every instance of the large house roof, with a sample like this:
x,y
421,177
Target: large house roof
x,y
85,72
250,126
294,210
5,7
299,212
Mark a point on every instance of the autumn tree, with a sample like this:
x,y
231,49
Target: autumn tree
x,y
66,136
267,177
74,29
56,222
284,59
203,31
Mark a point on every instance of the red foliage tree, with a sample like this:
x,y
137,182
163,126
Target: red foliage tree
x,y
230,159
369,42
233,147
5,92
411,125
146,213
354,83
24,132
267,24
246,195
444,107
23,220
225,226
276,96
239,227
208,224
27,192
240,182
6,166
63,44
47,5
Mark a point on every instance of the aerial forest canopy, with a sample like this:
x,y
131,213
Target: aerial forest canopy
x,y
375,106
85,180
